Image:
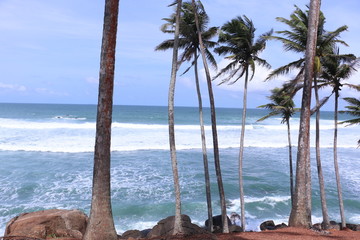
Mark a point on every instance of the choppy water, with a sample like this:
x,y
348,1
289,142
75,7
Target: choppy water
x,y
46,156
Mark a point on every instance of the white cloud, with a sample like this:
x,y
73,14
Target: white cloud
x,y
15,87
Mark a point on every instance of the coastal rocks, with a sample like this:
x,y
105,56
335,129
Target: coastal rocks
x,y
217,223
270,225
54,222
336,226
165,227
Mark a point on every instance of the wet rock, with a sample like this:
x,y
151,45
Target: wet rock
x,y
54,222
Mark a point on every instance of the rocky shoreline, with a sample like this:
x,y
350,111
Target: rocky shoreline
x,y
71,225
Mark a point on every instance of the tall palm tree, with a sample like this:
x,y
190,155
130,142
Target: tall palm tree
x,y
300,215
225,227
189,41
354,110
336,68
283,105
238,43
295,40
178,228
101,223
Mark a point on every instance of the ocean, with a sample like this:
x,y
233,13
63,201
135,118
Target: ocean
x,y
46,156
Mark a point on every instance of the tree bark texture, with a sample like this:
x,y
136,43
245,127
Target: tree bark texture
x,y
300,215
290,162
326,221
241,152
203,146
178,229
101,224
336,165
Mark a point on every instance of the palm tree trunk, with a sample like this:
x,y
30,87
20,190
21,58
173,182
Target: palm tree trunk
x,y
203,145
337,174
101,223
214,130
290,162
241,153
326,221
178,229
301,210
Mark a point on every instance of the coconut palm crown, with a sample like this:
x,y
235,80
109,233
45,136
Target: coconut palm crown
x,y
240,47
188,40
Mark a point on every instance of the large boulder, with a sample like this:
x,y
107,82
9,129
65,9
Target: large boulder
x,y
165,227
54,222
267,225
217,223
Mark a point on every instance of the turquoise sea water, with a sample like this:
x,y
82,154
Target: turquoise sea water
x,y
46,156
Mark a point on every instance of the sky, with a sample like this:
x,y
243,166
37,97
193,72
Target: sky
x,y
50,51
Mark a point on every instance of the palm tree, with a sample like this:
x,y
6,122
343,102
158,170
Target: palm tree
x,y
101,223
354,110
336,68
189,41
225,227
295,40
178,228
282,104
300,215
238,42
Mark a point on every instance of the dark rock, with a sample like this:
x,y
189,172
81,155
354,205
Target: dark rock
x,y
235,228
279,226
267,225
54,222
353,227
217,221
145,232
165,227
317,226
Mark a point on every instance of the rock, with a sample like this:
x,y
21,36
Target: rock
x,y
217,223
135,234
54,222
235,228
279,226
267,225
165,227
317,227
334,225
353,227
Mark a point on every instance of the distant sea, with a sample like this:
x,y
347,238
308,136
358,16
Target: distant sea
x,y
46,156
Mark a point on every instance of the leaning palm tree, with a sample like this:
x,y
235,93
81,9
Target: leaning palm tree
x,y
101,223
238,43
336,68
189,42
354,110
283,105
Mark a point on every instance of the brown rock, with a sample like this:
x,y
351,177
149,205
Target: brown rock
x,y
54,222
165,227
134,234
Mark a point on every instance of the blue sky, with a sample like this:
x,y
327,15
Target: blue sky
x,y
49,50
